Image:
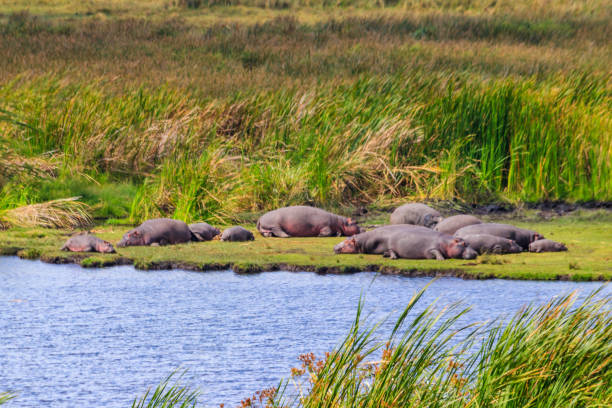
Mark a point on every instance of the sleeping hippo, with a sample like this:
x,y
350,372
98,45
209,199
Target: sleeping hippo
x,y
203,231
86,242
304,221
523,237
237,234
416,214
490,244
410,242
159,231
375,241
546,245
451,224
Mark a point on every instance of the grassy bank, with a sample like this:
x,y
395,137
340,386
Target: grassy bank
x,y
556,354
208,112
587,237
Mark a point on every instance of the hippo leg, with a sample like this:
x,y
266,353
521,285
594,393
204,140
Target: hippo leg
x,y
436,254
277,232
390,254
326,232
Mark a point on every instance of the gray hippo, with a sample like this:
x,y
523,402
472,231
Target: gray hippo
x,y
159,231
523,237
410,242
490,244
304,221
85,242
203,231
416,214
546,245
450,225
237,234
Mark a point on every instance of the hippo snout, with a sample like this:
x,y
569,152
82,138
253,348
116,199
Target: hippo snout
x,y
469,253
338,247
121,244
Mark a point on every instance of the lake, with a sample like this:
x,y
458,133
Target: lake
x,y
99,337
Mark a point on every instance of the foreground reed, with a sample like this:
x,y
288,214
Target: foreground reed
x,y
554,355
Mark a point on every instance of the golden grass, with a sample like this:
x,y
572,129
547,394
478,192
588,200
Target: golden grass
x,y
63,213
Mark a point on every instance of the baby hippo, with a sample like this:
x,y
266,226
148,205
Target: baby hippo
x,y
490,244
451,224
203,231
237,234
85,242
416,214
546,245
160,231
375,241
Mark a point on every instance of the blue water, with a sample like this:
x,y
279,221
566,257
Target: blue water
x,y
99,337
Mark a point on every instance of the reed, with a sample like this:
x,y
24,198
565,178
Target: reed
x,y
66,213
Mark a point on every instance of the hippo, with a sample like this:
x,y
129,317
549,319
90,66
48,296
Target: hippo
x,y
304,221
86,242
546,245
406,241
523,237
490,244
159,231
203,231
375,241
237,234
416,214
450,225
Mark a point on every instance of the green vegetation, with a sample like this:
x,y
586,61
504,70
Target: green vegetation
x,y
200,111
587,236
554,355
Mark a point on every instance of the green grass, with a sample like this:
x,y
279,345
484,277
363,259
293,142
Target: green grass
x,y
150,108
587,237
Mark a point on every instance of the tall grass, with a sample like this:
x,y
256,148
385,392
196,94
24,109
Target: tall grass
x,y
554,355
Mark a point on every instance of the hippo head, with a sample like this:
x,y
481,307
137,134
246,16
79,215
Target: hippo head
x,y
515,248
458,248
431,221
350,228
105,247
348,246
131,238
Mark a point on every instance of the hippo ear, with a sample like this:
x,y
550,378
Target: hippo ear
x,y
350,221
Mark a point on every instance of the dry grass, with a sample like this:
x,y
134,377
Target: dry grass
x,y
65,213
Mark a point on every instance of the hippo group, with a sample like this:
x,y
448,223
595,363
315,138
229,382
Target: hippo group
x,y
416,231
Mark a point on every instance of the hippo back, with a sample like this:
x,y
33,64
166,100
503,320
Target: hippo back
x,y
450,225
523,237
415,214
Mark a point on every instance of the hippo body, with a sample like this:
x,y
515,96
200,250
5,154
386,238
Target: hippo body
x,y
523,237
237,234
86,242
490,244
159,231
546,245
407,241
375,241
450,225
416,214
203,231
304,221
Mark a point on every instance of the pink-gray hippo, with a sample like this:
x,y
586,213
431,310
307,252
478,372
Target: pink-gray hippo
x,y
546,245
490,244
407,241
159,231
416,214
523,237
304,221
237,234
450,225
203,231
85,242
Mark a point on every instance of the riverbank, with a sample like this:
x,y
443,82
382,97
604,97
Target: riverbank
x,y
586,234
